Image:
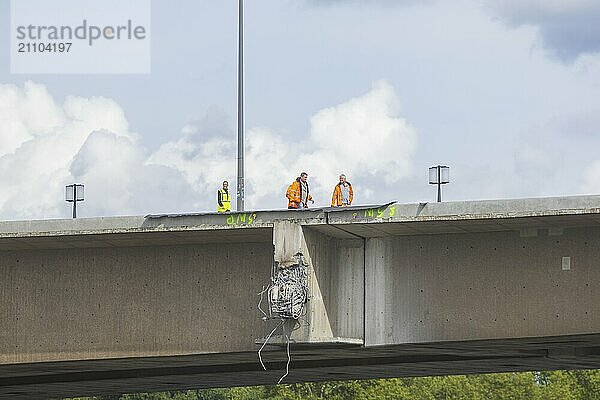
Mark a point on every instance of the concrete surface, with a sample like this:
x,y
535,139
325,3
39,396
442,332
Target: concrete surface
x,y
431,288
130,301
106,305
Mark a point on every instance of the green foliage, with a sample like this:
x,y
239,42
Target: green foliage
x,y
549,385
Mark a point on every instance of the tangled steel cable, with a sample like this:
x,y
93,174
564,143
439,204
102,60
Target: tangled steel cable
x,y
287,295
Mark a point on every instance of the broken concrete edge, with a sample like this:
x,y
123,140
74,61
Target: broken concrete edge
x,y
281,341
389,212
470,210
140,224
124,231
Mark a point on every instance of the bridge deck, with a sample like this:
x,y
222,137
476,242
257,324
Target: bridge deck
x,y
161,302
364,221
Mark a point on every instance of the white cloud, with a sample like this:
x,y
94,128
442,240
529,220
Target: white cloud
x,y
271,165
591,183
204,164
119,180
39,139
87,140
46,145
25,113
365,138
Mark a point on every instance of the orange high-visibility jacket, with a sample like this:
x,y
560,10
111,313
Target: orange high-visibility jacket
x,y
294,194
336,199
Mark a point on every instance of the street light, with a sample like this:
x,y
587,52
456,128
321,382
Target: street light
x,y
240,121
74,193
439,175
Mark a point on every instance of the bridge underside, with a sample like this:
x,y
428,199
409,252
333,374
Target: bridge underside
x,y
309,363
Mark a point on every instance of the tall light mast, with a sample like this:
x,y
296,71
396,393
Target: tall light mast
x,y
240,128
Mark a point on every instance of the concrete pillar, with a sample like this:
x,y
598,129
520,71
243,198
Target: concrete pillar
x,y
289,240
334,311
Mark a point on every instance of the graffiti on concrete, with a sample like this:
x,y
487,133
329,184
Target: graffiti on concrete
x,y
379,212
241,219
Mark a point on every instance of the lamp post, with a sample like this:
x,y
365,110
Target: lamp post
x,y
240,130
439,175
74,193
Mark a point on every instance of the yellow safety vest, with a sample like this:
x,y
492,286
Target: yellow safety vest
x,y
225,200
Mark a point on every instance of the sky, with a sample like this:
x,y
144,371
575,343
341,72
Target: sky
x,y
504,92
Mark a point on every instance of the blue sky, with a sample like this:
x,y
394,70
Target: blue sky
x,y
504,92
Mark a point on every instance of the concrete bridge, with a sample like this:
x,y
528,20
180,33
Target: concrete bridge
x,y
163,302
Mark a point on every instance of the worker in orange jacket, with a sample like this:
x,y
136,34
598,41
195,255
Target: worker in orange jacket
x,y
298,193
342,193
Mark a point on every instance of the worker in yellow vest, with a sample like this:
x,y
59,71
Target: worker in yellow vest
x,y
223,199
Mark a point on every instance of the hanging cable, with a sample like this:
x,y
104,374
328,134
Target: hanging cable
x,y
265,343
289,359
265,289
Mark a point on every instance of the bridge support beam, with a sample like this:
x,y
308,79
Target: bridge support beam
x,y
488,285
335,307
